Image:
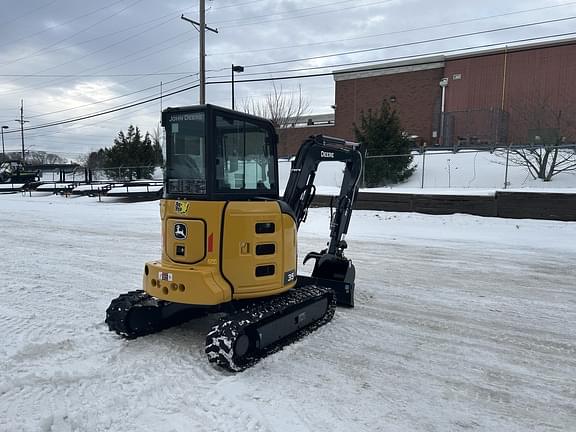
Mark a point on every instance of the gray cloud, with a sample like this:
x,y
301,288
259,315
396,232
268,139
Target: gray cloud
x,y
67,58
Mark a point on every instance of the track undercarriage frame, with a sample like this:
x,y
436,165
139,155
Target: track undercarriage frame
x,y
248,331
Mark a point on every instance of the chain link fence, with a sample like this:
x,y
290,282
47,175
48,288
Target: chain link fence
x,y
474,129
497,167
126,173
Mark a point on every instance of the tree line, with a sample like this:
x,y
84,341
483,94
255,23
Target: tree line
x,y
133,156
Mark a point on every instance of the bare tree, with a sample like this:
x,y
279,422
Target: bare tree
x,y
42,157
283,108
544,149
82,159
544,162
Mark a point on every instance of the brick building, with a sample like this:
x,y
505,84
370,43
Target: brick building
x,y
515,95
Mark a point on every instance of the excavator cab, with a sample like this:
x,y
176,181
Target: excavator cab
x,y
217,154
229,241
226,236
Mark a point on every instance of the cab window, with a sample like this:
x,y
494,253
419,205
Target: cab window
x,y
186,154
244,157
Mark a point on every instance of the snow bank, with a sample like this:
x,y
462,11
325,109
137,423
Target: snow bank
x,y
463,172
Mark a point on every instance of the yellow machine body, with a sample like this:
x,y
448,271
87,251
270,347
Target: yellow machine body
x,y
214,252
229,240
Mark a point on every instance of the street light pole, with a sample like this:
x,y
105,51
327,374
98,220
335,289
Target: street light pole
x,y
3,152
235,69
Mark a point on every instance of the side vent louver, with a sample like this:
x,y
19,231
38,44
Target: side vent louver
x,y
266,249
265,228
265,270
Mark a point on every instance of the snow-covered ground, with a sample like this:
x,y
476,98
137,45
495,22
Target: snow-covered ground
x,y
461,323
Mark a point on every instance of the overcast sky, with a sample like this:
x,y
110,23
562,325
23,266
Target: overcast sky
x,y
70,58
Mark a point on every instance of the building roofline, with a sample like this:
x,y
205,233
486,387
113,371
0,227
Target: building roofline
x,y
438,61
412,64
324,119
518,47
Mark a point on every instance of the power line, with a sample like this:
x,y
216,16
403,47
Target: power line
x,y
25,14
415,63
235,5
130,104
73,128
142,74
109,99
42,51
117,42
423,56
476,33
393,46
141,25
306,15
128,94
429,27
43,85
84,29
63,23
218,9
72,120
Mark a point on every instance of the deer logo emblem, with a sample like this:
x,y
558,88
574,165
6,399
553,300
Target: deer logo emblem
x,y
180,231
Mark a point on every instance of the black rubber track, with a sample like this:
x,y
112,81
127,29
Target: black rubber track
x,y
221,339
137,313
122,308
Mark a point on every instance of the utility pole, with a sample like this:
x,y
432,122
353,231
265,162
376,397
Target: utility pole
x,y
202,27
3,151
22,121
202,52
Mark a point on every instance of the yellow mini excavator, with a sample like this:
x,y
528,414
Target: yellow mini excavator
x,y
229,239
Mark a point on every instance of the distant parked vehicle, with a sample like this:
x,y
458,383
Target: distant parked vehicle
x,y
17,172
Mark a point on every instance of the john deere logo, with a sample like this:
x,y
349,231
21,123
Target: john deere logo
x,y
180,231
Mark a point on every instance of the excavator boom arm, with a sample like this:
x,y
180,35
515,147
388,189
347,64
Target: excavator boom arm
x,y
332,268
300,188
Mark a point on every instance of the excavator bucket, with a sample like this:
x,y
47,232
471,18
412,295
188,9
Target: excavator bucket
x,y
333,272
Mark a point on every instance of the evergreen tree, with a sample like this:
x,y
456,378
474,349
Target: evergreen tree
x,y
96,160
382,134
131,156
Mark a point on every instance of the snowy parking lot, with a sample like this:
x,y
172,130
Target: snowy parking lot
x,y
461,323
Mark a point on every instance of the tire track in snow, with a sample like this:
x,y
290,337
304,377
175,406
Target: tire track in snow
x,y
165,371
421,351
443,330
52,371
